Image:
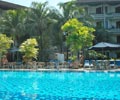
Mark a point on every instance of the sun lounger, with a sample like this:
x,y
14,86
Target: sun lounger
x,y
112,64
87,64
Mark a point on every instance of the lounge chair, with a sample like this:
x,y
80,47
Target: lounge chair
x,y
112,64
87,64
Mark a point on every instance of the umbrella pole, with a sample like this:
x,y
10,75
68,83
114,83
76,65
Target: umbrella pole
x,y
103,53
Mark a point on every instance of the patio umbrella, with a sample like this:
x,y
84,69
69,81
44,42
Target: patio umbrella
x,y
104,46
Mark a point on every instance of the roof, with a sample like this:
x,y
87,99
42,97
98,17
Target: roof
x,y
98,1
83,1
7,5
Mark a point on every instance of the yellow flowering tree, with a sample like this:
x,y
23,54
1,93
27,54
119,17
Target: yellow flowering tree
x,y
78,36
28,48
5,44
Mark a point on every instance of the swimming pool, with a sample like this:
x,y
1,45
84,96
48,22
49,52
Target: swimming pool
x,y
18,85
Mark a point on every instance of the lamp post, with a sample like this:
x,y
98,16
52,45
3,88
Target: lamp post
x,y
66,34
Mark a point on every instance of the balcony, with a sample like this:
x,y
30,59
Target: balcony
x,y
97,16
114,30
108,15
113,15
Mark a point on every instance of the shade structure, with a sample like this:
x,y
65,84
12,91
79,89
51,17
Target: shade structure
x,y
105,46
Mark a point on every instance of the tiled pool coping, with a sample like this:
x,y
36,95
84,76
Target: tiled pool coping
x,y
63,69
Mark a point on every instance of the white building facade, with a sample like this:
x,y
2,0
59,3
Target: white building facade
x,y
106,13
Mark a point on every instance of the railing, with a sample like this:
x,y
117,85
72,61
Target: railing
x,y
107,15
102,16
114,30
113,15
97,16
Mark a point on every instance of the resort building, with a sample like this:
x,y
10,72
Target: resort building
x,y
106,14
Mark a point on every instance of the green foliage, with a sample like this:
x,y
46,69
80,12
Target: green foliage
x,y
37,18
5,43
93,54
78,35
73,58
69,9
103,33
38,23
12,22
41,22
29,49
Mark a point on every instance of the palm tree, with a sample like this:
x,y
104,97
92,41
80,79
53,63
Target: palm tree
x,y
69,10
12,23
37,22
55,30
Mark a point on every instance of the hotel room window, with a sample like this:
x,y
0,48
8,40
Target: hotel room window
x,y
99,10
118,24
99,24
118,39
106,9
117,9
86,10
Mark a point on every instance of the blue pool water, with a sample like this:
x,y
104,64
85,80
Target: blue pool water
x,y
18,85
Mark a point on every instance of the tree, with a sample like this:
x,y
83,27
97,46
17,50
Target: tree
x,y
38,22
28,48
5,44
12,23
78,35
68,11
103,33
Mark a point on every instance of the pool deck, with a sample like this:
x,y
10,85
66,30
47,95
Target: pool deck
x,y
63,69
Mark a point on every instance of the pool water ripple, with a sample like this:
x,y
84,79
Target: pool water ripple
x,y
59,85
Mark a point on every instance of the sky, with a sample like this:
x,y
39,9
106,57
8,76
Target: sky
x,y
28,2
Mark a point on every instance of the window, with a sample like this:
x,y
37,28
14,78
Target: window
x,y
118,39
117,10
106,24
118,24
99,10
99,24
86,10
106,9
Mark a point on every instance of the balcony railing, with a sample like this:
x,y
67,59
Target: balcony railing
x,y
113,15
102,16
97,16
114,30
108,15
